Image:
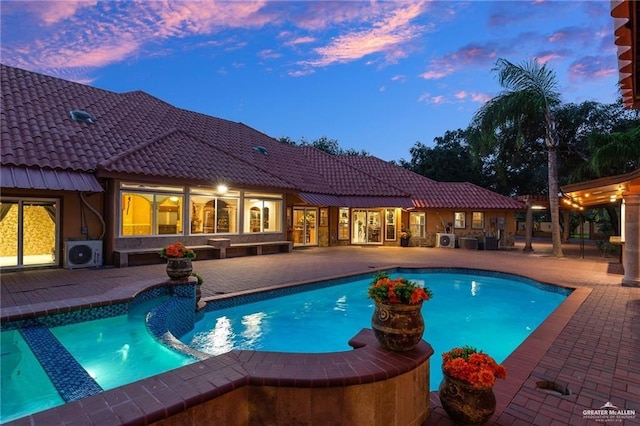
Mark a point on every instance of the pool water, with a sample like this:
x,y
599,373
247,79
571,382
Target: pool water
x,y
26,388
492,313
114,351
119,350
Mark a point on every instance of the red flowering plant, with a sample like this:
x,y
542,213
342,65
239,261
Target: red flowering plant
x,y
472,366
383,289
177,250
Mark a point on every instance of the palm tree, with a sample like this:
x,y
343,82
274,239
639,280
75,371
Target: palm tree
x,y
529,97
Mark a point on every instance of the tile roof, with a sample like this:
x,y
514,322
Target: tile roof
x,y
134,134
428,193
465,195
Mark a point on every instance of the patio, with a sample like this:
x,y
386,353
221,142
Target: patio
x,y
590,344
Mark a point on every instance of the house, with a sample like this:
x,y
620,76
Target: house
x,y
92,177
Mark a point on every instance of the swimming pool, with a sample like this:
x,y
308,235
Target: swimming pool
x,y
493,312
176,316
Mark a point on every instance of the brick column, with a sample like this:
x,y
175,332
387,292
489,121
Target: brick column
x,y
631,255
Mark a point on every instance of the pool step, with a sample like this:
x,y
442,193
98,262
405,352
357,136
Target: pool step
x,y
67,375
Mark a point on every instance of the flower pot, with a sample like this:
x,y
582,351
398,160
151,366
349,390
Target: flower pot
x,y
398,327
404,242
179,268
464,403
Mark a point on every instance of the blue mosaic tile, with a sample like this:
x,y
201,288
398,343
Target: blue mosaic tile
x,y
67,375
174,318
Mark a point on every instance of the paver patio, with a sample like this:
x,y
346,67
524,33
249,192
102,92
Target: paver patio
x,y
591,344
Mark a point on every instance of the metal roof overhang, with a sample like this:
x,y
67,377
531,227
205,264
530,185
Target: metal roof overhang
x,y
354,201
50,179
600,191
626,14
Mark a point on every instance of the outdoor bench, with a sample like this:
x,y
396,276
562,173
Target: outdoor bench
x,y
216,249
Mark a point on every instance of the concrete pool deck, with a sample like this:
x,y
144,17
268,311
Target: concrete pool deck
x,y
590,345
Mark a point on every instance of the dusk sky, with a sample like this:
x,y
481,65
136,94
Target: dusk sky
x,y
375,76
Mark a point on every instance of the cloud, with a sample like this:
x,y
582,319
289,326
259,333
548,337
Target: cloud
x,y
387,35
269,54
95,34
592,67
300,40
50,12
463,57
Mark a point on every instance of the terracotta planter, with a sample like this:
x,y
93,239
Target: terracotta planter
x,y
179,268
398,327
465,404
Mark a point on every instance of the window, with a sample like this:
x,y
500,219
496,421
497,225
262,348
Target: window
x,y
212,213
417,221
459,220
477,220
390,224
262,212
151,210
343,223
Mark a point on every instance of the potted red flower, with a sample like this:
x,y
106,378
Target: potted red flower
x,y
397,318
179,260
466,391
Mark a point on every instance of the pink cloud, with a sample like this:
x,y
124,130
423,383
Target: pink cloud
x,y
461,95
51,12
544,58
300,40
387,35
591,67
480,97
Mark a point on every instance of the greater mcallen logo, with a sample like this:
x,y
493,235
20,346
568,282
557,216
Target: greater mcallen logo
x,y
609,413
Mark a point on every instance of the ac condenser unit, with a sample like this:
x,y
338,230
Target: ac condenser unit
x,y
446,240
82,254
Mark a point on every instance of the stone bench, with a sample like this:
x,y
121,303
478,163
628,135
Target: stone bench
x,y
217,248
255,248
121,256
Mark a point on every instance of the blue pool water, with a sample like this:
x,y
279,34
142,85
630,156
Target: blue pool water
x,y
489,312
114,351
26,388
119,350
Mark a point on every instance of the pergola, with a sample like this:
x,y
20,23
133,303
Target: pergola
x,y
624,189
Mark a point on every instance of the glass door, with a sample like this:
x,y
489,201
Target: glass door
x,y
29,230
305,231
367,227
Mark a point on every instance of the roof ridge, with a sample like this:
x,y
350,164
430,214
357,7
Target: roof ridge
x,y
133,150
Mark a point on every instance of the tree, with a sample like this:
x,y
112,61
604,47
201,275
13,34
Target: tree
x,y
330,146
529,97
448,161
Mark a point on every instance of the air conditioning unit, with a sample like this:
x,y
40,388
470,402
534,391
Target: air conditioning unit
x,y
82,254
446,240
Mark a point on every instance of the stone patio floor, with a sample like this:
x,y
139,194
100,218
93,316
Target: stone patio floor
x,y
590,345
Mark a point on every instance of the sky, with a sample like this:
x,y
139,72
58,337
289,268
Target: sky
x,y
378,76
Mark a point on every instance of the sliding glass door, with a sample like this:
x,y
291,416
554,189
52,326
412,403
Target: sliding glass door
x,y
367,226
305,230
29,232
